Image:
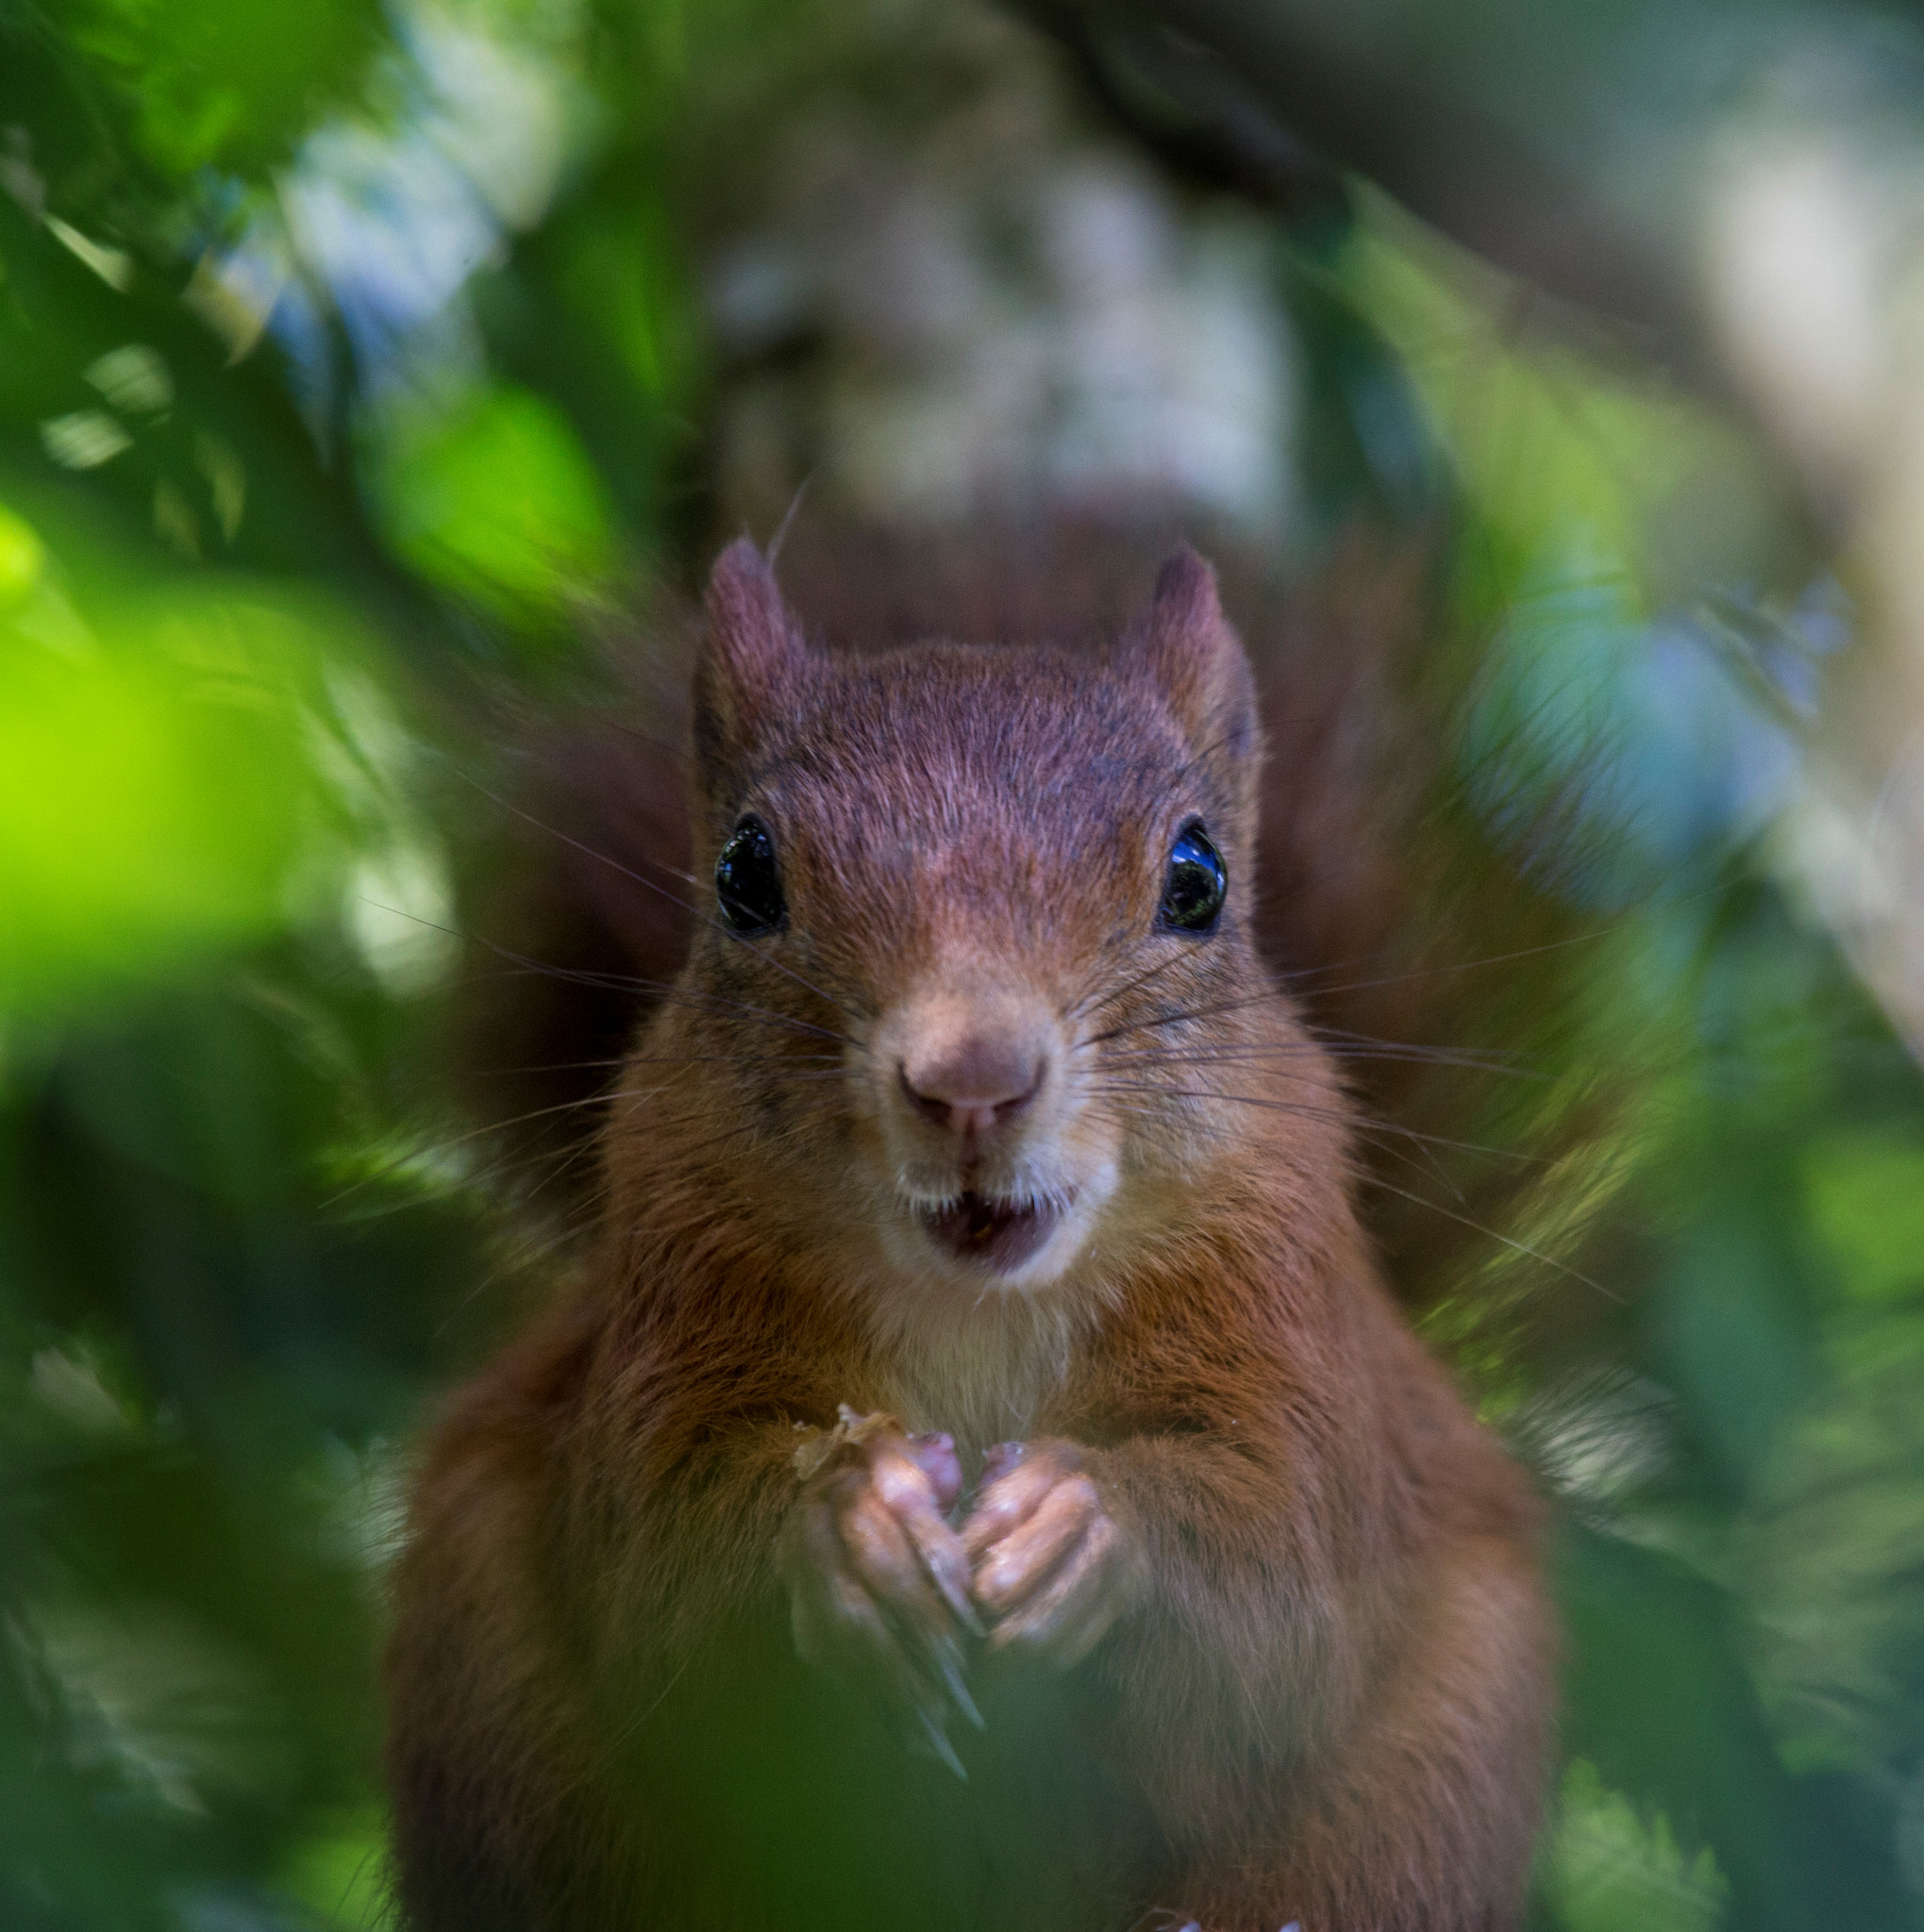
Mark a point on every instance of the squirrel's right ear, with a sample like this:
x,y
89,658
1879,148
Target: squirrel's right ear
x,y
1193,652
752,650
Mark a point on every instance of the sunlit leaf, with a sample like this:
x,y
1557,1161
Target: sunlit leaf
x,y
1866,1194
153,775
340,1873
224,82
1612,1872
498,503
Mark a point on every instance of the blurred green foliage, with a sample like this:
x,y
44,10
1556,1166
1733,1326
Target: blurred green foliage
x,y
256,521
216,83
521,555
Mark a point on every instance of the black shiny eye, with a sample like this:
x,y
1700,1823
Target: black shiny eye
x,y
748,882
1194,891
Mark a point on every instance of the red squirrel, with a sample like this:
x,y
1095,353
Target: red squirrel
x,y
978,1367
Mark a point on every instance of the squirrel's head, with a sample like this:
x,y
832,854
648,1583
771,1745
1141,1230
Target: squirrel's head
x,y
974,914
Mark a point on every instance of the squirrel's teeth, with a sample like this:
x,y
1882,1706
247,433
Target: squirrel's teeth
x,y
1002,1234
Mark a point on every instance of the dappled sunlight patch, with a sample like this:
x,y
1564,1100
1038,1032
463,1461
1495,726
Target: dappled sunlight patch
x,y
527,554
1608,1870
181,1718
1866,1198
142,815
192,762
359,1496
339,1873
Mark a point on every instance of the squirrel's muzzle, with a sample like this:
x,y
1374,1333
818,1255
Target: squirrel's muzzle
x,y
974,1067
994,1163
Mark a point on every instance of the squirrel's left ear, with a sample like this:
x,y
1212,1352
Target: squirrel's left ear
x,y
751,656
1194,655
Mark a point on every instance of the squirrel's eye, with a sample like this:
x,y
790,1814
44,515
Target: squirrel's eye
x,y
748,882
1193,894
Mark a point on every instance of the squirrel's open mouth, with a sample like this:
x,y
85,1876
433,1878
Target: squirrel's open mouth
x,y
1001,1235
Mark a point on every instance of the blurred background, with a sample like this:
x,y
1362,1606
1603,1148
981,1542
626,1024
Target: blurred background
x,y
365,369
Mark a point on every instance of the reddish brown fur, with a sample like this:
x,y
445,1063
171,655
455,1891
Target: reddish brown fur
x,y
1325,1692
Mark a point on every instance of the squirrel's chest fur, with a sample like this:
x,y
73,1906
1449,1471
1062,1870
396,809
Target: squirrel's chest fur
x,y
984,1371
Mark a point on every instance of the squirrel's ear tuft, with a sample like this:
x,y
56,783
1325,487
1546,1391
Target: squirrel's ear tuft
x,y
1194,654
751,651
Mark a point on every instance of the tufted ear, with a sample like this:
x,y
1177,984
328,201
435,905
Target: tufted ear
x,y
752,653
1194,654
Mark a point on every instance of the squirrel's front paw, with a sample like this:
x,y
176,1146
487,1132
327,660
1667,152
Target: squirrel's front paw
x,y
1052,1566
879,1583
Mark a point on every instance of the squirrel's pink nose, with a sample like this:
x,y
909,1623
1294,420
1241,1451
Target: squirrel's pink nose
x,y
973,1081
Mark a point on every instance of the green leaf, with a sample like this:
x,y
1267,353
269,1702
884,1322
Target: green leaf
x,y
1866,1200
497,502
154,780
225,83
1611,1871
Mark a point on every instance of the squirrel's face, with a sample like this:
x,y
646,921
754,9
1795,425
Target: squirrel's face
x,y
982,900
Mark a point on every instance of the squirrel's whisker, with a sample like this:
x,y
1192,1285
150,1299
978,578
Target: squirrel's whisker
x,y
669,993
436,1149
691,908
654,1059
1343,1114
1582,938
1389,1048
1177,1056
526,1256
1084,1006
1492,1234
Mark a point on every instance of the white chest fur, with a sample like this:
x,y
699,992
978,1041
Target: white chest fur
x,y
981,1368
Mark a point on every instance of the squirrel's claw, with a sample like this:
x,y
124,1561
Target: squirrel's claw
x,y
1052,1566
879,1584
938,1742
